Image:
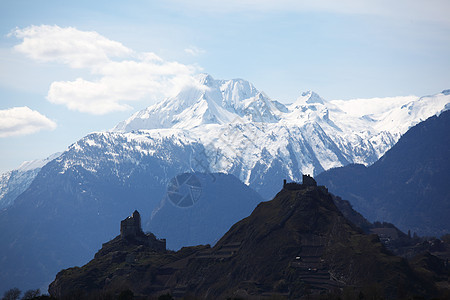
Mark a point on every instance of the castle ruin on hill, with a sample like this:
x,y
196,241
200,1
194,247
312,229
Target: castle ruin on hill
x,y
307,181
131,230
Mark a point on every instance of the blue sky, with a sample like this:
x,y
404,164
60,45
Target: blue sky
x,y
68,68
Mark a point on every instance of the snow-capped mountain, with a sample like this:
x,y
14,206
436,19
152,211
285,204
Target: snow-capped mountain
x,y
254,138
210,102
14,182
396,114
227,126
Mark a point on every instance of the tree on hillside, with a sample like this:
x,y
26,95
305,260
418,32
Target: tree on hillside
x,y
12,294
31,294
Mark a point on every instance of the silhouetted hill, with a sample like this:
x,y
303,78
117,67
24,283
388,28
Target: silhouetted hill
x,y
295,245
408,186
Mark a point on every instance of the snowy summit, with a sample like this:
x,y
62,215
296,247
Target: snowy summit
x,y
311,133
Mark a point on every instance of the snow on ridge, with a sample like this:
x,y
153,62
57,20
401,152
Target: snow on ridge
x,y
229,126
14,182
99,148
213,101
308,97
398,120
241,123
360,107
37,163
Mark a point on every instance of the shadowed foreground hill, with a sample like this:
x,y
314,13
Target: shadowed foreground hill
x,y
295,245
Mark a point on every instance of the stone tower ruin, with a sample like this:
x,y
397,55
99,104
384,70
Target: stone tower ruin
x,y
131,230
131,226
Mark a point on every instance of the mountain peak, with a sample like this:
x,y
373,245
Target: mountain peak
x,y
311,97
205,79
308,97
211,102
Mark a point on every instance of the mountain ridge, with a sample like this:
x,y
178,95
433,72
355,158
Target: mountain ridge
x,y
15,182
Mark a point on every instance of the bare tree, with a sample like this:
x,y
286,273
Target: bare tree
x,y
30,294
12,294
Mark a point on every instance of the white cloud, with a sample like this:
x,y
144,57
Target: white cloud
x,y
22,121
122,75
78,49
194,51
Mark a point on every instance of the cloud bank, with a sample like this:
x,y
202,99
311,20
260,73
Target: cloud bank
x,y
121,74
22,120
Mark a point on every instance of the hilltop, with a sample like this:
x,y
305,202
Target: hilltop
x,y
295,245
